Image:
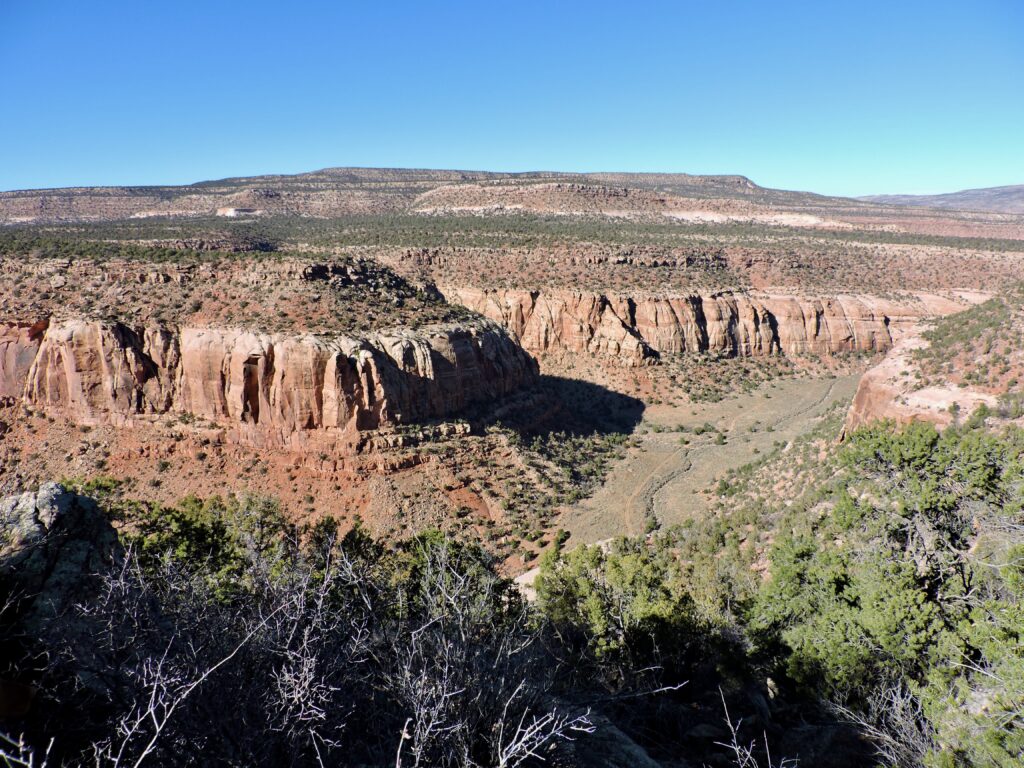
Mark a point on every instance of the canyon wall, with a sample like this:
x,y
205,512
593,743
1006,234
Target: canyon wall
x,y
889,390
636,330
18,346
267,389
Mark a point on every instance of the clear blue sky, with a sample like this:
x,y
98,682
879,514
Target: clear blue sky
x,y
835,97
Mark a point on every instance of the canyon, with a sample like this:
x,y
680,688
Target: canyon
x,y
522,363
471,351
306,391
306,464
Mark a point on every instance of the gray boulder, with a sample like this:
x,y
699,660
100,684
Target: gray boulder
x,y
52,541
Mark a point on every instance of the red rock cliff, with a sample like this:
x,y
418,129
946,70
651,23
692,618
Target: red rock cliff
x,y
269,389
636,329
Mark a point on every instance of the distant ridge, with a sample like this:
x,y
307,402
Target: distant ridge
x,y
364,191
991,199
339,192
730,184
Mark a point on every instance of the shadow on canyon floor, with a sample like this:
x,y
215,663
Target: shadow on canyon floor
x,y
570,407
587,408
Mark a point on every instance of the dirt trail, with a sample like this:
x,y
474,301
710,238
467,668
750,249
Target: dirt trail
x,y
662,477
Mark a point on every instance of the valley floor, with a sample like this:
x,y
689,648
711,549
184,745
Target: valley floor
x,y
663,477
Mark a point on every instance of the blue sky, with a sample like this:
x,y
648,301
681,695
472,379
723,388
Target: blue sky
x,y
834,97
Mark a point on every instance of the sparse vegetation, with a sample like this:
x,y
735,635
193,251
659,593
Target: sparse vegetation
x,y
862,600
978,347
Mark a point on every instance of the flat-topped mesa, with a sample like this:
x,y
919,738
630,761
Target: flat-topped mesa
x,y
295,391
287,294
635,330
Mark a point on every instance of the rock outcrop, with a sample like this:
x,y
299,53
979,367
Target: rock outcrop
x,y
889,391
18,347
267,389
635,330
564,320
52,542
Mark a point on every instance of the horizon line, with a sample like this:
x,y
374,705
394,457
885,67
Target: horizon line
x,y
535,172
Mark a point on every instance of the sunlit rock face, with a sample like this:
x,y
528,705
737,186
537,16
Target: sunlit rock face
x,y
634,330
267,388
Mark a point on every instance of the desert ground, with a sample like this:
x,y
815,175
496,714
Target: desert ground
x,y
668,481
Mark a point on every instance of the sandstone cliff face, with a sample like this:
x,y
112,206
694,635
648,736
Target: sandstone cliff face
x,y
635,330
889,391
18,346
268,389
564,320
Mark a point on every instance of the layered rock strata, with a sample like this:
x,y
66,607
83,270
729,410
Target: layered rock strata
x,y
267,389
18,346
635,330
890,391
